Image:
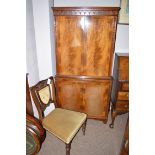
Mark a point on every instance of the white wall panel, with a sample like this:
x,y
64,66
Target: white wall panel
x,y
65,3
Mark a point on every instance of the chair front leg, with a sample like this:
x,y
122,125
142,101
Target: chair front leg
x,y
68,147
84,127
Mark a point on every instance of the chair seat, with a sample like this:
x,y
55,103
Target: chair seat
x,y
63,123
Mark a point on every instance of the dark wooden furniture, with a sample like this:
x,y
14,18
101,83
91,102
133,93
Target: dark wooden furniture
x,y
125,142
29,109
85,39
62,123
35,135
120,86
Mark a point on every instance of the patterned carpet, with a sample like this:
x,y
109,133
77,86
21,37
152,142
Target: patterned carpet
x,y
99,139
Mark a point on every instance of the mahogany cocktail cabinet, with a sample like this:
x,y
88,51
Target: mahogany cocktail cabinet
x,y
85,40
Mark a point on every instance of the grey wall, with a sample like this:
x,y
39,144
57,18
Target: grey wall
x,y
52,37
42,25
31,56
122,39
43,37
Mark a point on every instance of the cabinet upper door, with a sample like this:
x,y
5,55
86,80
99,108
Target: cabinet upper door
x,y
100,40
69,45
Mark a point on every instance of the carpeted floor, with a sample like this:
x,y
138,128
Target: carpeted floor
x,y
99,139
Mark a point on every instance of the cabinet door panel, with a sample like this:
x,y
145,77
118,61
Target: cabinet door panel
x,y
100,34
69,45
97,96
69,94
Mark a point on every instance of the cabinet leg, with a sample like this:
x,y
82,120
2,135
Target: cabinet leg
x,y
105,121
84,127
113,116
68,147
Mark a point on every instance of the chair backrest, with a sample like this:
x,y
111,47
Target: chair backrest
x,y
43,93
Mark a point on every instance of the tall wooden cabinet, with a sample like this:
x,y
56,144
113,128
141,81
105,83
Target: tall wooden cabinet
x,y
85,39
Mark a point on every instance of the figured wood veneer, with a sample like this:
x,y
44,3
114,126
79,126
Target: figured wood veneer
x,y
96,99
123,95
86,50
124,86
69,45
99,45
124,68
89,96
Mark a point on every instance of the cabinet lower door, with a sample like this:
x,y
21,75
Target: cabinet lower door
x,y
88,96
69,94
97,97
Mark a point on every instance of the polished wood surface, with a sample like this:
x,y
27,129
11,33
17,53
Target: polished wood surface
x,y
84,45
120,87
122,106
123,95
97,98
85,42
85,77
124,68
125,143
34,123
86,11
88,96
69,94
29,109
124,86
100,34
69,45
35,129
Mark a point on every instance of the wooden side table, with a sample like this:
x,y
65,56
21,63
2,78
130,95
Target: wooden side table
x,y
120,86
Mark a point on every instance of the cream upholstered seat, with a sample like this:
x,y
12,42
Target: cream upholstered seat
x,y
62,123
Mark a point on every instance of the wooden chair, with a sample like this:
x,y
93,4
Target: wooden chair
x,y
35,135
62,123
